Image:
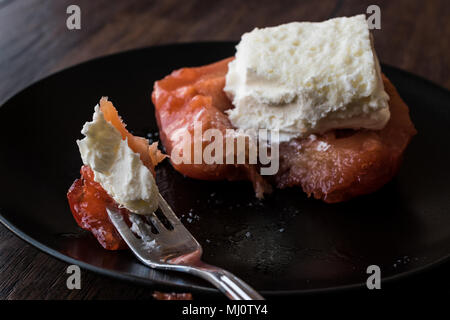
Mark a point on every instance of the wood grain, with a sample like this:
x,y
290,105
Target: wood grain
x,y
34,42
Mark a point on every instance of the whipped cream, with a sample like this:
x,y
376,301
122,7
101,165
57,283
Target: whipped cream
x,y
302,78
117,168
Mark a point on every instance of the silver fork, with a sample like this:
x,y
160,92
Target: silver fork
x,y
176,249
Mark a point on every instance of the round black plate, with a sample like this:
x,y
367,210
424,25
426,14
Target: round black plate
x,y
286,243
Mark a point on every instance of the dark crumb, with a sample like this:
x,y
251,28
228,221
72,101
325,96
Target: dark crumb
x,y
172,296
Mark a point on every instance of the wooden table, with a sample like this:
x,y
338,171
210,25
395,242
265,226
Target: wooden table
x,y
35,42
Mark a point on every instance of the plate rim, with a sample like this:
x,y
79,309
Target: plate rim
x,y
167,284
187,43
198,288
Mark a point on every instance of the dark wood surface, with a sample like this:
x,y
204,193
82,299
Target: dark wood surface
x,y
34,42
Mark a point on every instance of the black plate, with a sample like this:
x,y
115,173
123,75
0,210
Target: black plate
x,y
287,243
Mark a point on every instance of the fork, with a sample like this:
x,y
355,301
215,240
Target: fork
x,y
175,249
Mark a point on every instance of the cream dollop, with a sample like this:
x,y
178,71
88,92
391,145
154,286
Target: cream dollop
x,y
117,168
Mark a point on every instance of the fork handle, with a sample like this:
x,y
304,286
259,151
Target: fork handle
x,y
233,287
